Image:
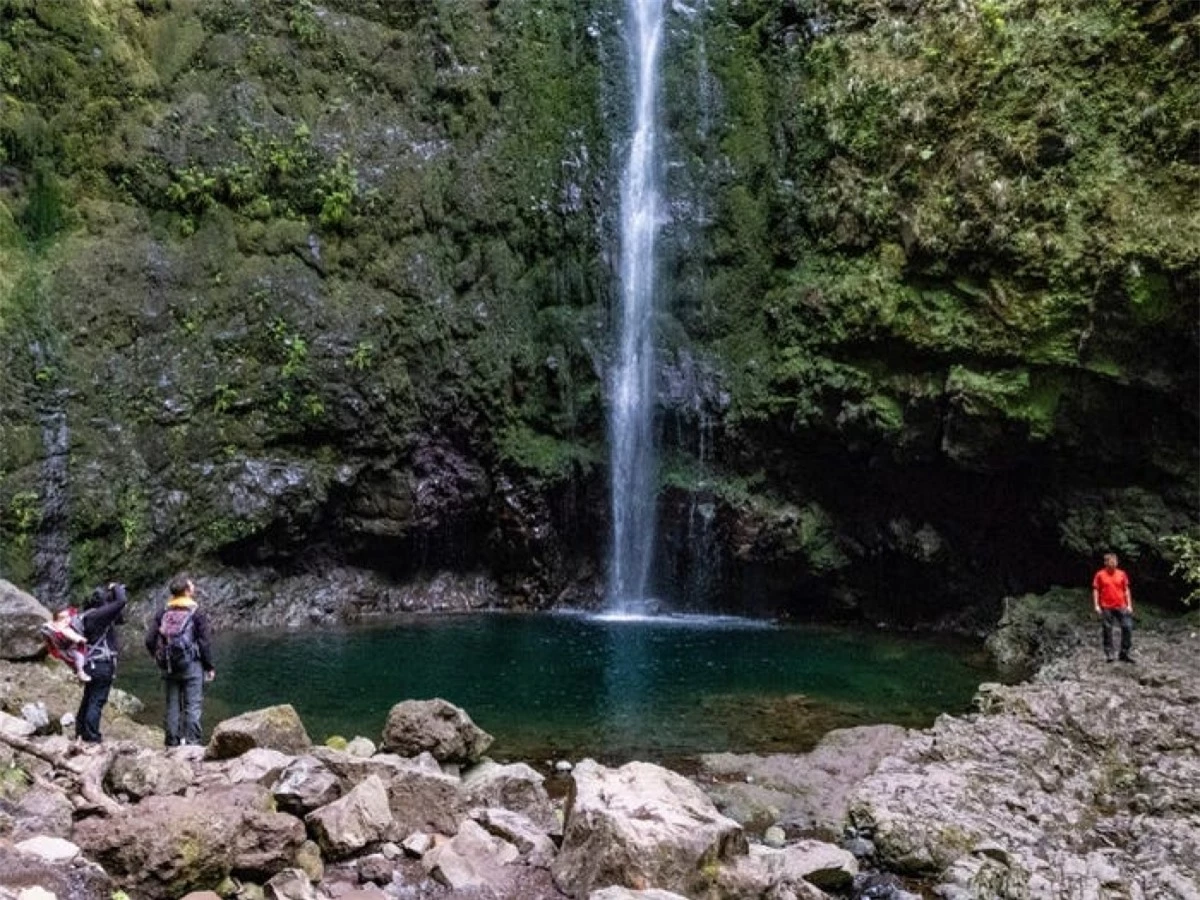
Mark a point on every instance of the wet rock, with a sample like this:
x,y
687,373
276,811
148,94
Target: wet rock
x,y
637,825
276,728
20,618
434,726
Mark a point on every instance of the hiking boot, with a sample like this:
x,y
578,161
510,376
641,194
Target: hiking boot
x,y
1108,657
1126,658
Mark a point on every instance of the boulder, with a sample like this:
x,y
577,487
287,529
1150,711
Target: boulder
x,y
361,746
534,845
167,845
472,860
424,800
360,818
517,787
16,726
148,772
20,618
621,893
641,825
805,869
435,726
260,765
64,879
49,849
805,793
42,811
276,728
306,784
290,884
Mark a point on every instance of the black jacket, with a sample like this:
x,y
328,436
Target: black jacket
x,y
98,623
203,636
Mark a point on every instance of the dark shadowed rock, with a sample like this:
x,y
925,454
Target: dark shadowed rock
x,y
437,727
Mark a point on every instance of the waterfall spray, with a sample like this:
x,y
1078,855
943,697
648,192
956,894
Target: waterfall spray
x,y
632,389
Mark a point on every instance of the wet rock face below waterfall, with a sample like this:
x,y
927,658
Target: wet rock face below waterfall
x,y
343,352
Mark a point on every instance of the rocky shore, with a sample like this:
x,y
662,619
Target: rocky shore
x,y
1081,782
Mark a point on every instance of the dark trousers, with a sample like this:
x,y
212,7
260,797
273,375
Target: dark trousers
x,y
95,695
1121,619
185,695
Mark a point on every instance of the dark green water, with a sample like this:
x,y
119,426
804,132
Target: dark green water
x,y
549,686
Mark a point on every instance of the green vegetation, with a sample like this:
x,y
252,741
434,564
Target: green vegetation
x,y
1185,552
289,233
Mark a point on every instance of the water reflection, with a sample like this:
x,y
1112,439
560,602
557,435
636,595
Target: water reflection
x,y
568,685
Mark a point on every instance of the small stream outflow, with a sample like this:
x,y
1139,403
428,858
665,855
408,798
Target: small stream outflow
x,y
633,463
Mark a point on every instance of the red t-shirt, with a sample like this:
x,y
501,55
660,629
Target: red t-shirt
x,y
1111,587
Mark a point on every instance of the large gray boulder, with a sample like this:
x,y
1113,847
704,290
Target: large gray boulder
x,y
165,846
424,800
306,784
515,787
20,617
275,728
641,825
473,861
147,772
350,823
434,726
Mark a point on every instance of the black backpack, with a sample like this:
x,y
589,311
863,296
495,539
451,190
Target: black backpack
x,y
176,646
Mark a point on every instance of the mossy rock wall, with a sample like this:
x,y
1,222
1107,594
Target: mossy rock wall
x,y
293,283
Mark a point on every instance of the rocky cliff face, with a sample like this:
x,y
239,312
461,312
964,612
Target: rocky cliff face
x,y
286,286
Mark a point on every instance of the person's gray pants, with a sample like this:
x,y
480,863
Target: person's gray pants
x,y
1118,618
185,696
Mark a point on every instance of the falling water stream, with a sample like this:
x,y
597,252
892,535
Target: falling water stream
x,y
632,393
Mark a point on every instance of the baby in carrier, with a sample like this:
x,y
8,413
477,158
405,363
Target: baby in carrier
x,y
65,643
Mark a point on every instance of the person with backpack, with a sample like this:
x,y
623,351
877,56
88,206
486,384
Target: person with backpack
x,y
102,612
178,639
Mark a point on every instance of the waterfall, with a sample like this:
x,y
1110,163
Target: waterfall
x,y
632,389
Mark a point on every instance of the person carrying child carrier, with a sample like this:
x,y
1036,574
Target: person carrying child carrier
x,y
178,639
102,612
65,643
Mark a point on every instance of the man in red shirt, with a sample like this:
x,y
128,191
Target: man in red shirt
x,y
1114,605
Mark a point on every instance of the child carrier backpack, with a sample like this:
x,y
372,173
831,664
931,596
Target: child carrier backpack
x,y
59,645
176,646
